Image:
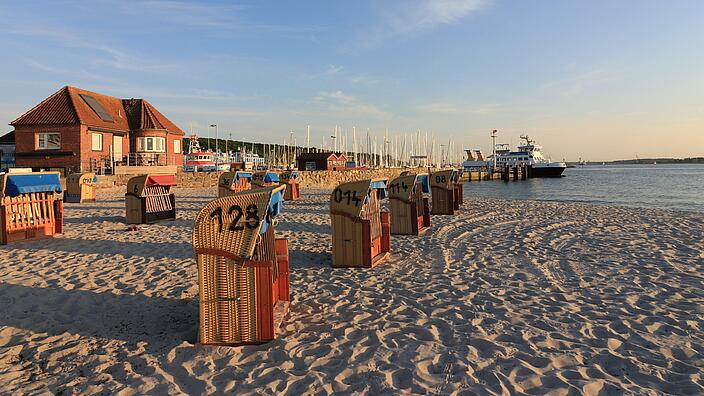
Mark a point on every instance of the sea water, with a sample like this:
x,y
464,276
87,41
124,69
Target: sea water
x,y
679,187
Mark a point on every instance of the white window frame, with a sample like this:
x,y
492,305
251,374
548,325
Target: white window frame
x,y
45,146
100,141
177,146
158,144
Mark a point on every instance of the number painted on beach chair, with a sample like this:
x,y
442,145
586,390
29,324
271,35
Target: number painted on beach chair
x,y
351,196
397,187
252,219
440,179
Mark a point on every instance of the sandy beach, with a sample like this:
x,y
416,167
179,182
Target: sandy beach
x,y
508,297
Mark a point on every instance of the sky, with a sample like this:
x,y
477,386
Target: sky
x,y
596,79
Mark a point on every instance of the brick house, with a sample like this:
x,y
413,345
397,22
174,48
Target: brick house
x,y
321,161
7,151
79,130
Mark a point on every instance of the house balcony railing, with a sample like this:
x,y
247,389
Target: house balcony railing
x,y
104,166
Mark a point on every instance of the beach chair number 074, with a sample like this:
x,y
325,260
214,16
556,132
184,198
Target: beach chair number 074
x,y
251,220
350,195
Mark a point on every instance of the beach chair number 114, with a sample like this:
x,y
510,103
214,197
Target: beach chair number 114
x,y
397,187
351,196
251,217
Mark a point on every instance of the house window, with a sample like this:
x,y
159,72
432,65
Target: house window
x,y
177,146
151,144
48,141
97,141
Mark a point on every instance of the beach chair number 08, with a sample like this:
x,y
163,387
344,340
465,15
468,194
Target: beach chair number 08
x,y
251,220
351,196
440,179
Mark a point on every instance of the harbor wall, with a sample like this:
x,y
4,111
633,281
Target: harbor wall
x,y
308,179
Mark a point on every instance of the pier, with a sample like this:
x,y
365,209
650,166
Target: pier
x,y
505,173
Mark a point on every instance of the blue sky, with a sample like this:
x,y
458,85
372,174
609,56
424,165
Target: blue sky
x,y
592,79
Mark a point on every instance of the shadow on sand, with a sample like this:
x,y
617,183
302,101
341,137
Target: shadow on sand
x,y
160,322
305,259
157,250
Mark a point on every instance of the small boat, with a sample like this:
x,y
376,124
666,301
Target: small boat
x,y
197,160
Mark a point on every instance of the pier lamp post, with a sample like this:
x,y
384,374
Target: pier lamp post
x,y
226,148
217,149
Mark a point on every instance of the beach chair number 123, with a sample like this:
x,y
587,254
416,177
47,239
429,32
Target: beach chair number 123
x,y
350,195
251,219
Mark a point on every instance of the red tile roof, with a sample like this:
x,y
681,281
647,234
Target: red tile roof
x,y
66,106
8,138
142,115
56,109
317,156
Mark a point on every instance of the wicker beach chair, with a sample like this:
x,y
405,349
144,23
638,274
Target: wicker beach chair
x,y
242,268
293,188
230,183
410,209
149,199
30,207
446,192
360,230
80,187
265,179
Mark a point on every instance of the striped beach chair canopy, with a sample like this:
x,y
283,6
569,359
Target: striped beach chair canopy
x,y
137,184
78,179
229,179
443,178
404,186
262,177
349,198
287,176
229,226
14,184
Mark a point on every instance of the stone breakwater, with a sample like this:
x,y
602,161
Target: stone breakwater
x,y
308,179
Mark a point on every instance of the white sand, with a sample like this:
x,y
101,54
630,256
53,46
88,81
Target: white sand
x,y
507,297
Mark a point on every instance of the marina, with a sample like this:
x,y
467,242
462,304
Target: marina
x,y
424,197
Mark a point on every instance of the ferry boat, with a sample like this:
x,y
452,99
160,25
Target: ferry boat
x,y
528,153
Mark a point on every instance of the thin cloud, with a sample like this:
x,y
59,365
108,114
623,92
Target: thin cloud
x,y
113,57
449,108
411,17
572,86
427,14
332,69
341,102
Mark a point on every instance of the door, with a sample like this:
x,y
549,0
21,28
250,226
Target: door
x,y
117,148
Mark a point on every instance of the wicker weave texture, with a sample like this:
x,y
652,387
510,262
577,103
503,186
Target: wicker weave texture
x,y
226,239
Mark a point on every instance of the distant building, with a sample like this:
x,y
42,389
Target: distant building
x,y
321,161
7,151
255,160
79,130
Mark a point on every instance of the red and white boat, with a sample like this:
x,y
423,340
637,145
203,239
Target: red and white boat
x,y
197,160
